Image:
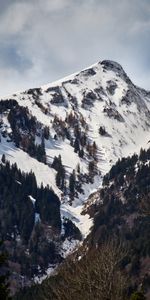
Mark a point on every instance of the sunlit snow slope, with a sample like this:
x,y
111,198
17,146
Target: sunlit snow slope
x,y
104,105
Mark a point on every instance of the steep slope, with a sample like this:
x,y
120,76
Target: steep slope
x,y
122,210
69,133
101,96
114,260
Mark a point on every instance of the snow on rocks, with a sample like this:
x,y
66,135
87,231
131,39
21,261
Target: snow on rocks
x,y
104,96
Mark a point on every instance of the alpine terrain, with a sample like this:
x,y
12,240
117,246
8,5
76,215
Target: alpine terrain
x,y
57,143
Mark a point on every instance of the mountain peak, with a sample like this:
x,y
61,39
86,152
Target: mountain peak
x,y
111,65
69,133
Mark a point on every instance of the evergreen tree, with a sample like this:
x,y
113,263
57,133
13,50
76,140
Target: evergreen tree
x,y
78,168
143,156
60,176
83,140
40,151
3,159
58,179
81,153
72,181
76,145
57,163
94,150
102,130
4,286
46,133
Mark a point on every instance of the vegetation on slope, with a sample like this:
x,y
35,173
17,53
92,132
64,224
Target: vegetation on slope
x,y
30,222
110,269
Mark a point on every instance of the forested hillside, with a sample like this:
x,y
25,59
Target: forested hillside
x,y
30,223
114,261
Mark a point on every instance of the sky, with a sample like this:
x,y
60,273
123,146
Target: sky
x,y
44,40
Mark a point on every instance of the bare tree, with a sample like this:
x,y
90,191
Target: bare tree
x,y
97,275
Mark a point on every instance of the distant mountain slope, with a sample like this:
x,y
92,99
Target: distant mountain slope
x,y
70,133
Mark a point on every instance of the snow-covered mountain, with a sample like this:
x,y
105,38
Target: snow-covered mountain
x,y
90,118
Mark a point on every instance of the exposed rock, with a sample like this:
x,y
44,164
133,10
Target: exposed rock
x,y
75,81
55,89
88,72
111,87
71,98
112,65
109,65
88,98
103,131
113,113
34,92
57,99
100,92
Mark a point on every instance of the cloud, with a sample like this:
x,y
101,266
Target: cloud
x,y
42,40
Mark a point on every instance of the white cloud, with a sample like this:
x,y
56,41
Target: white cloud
x,y
15,18
54,5
58,37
